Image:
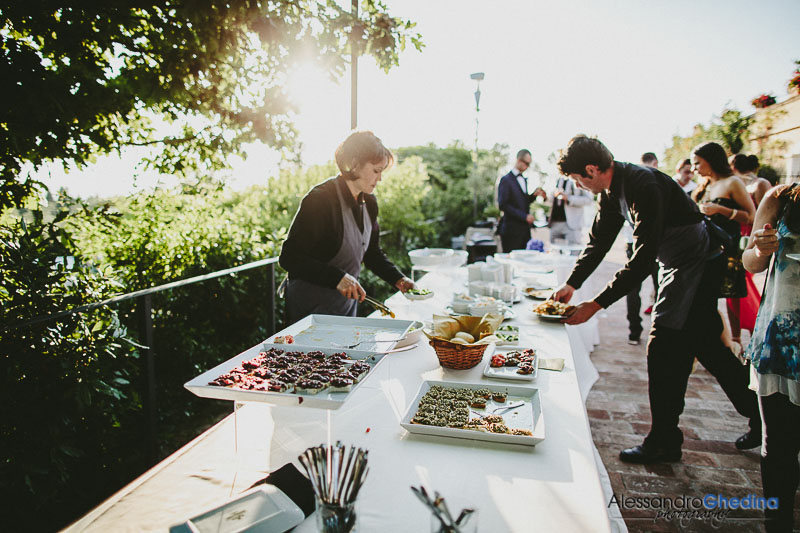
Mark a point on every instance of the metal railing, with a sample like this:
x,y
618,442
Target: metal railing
x,y
145,311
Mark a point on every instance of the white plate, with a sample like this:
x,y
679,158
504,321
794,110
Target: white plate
x,y
264,508
328,331
510,372
323,399
528,416
552,318
796,257
415,297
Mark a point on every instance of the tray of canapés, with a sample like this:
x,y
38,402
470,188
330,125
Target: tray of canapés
x,y
522,364
494,413
288,375
553,310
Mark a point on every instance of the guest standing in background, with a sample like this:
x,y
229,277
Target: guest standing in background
x,y
514,200
774,348
683,175
723,197
745,167
566,212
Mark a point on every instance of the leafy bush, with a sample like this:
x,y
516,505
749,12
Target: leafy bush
x,y
68,403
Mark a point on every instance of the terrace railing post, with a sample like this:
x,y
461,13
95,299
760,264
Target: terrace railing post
x,y
271,299
149,371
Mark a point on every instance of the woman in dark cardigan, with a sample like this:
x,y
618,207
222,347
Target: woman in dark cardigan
x,y
334,231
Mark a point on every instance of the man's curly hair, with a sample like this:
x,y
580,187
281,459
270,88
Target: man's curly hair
x,y
582,151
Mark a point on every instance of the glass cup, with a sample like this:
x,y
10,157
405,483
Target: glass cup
x,y
332,518
467,524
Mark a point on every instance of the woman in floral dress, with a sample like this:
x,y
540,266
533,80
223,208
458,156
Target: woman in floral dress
x,y
775,347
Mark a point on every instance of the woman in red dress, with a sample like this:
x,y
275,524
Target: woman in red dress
x,y
743,311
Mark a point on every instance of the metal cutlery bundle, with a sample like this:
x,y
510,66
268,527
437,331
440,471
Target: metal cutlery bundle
x,y
439,509
337,475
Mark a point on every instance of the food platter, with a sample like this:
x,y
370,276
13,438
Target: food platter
x,y
326,398
551,318
371,334
510,372
552,310
527,417
536,293
508,335
418,294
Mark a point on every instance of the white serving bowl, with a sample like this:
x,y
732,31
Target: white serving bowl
x,y
529,256
459,258
482,307
430,256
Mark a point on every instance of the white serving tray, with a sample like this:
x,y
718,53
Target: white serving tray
x,y
264,509
510,372
528,416
330,331
323,399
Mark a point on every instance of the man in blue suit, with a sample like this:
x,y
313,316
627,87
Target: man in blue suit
x,y
514,201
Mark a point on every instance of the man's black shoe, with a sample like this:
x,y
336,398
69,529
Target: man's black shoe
x,y
646,455
748,441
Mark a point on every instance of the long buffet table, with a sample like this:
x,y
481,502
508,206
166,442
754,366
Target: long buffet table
x,y
555,486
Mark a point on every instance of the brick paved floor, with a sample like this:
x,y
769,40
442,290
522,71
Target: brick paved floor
x,y
619,415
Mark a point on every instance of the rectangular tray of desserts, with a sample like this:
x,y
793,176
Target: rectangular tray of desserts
x,y
288,374
474,411
378,334
518,364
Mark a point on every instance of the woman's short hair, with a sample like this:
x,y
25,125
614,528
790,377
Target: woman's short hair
x,y
744,163
715,156
359,148
582,151
682,164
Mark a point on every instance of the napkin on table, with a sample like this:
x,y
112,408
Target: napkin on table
x,y
556,363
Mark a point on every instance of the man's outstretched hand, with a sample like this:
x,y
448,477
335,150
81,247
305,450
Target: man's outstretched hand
x,y
582,312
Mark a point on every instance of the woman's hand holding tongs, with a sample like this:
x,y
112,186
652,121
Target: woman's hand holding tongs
x,y
351,288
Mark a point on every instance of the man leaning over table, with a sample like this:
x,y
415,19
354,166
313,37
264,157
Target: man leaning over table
x,y
666,226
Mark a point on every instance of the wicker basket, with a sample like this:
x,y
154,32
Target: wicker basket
x,y
458,356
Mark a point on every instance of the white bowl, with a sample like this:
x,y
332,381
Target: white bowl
x,y
459,258
529,256
481,308
430,256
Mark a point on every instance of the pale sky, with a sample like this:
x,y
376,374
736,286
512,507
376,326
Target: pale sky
x,y
632,72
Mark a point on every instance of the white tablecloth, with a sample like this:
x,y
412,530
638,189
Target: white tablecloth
x,y
555,486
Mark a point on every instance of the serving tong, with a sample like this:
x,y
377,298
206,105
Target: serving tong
x,y
441,512
383,308
498,409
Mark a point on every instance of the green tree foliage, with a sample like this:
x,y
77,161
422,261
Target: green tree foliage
x,y
730,130
455,185
95,77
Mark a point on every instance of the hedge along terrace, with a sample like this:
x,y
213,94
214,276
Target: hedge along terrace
x,y
72,410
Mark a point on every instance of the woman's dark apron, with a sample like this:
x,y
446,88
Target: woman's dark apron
x,y
304,298
682,258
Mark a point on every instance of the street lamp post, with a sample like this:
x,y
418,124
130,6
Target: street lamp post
x,y
477,76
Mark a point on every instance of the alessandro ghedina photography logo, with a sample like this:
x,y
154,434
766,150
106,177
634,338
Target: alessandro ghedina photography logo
x,y
713,508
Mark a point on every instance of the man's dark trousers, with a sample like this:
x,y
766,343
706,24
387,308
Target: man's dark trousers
x,y
670,353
